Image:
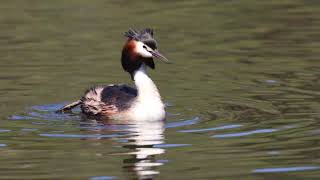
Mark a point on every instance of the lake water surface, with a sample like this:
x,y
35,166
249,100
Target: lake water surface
x,y
243,92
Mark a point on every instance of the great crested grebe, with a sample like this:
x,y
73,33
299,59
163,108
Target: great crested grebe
x,y
122,102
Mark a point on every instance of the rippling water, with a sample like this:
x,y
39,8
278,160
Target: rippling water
x,y
243,92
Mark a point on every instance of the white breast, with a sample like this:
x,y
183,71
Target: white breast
x,y
148,110
148,105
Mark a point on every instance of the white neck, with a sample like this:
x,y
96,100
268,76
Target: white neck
x,y
148,103
145,86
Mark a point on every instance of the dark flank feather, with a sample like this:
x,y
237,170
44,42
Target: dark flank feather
x,y
107,100
119,95
104,100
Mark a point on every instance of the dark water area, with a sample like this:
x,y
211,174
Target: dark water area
x,y
242,94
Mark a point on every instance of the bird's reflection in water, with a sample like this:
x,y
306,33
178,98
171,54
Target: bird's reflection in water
x,y
144,136
141,139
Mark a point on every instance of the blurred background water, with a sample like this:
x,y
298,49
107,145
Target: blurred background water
x,y
242,95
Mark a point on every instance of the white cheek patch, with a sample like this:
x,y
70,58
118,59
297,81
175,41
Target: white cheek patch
x,y
142,51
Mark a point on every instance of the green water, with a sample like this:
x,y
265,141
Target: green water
x,y
243,91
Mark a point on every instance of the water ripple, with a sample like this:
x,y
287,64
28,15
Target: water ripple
x,y
103,178
4,130
183,123
45,112
259,131
3,145
17,117
28,129
81,135
231,126
170,145
286,169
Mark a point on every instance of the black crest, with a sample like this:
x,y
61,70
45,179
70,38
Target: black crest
x,y
145,36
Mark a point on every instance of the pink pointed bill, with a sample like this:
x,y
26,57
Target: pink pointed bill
x,y
158,55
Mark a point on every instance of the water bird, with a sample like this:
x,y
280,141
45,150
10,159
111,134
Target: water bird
x,y
122,102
